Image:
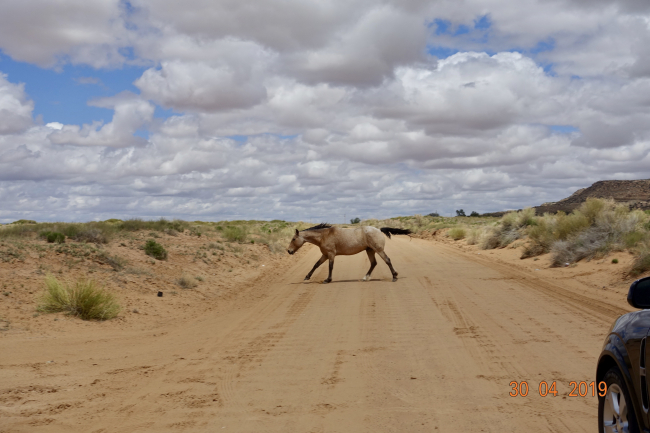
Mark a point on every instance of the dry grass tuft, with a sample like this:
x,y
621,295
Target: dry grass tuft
x,y
235,233
187,282
456,233
116,262
84,299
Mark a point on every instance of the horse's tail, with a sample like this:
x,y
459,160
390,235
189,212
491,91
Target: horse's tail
x,y
391,231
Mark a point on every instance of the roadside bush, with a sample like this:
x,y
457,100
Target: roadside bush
x,y
53,237
473,236
614,228
155,250
84,299
24,222
641,265
235,234
510,228
456,233
633,238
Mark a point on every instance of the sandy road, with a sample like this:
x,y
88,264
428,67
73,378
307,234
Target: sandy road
x,y
435,351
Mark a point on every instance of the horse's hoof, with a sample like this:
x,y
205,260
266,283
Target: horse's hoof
x,y
365,279
327,281
394,279
306,279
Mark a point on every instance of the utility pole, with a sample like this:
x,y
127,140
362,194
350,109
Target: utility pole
x,y
344,220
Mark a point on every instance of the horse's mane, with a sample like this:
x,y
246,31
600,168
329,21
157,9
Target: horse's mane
x,y
318,227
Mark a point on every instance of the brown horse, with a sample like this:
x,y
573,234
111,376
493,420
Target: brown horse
x,y
335,241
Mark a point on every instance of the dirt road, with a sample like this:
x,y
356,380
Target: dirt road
x,y
435,351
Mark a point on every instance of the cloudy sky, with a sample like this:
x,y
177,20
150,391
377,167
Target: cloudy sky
x,y
210,110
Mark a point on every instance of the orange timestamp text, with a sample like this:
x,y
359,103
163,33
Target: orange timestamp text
x,y
578,389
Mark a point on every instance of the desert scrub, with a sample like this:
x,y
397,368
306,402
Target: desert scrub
x,y
155,250
614,228
161,225
82,299
92,235
510,228
187,282
235,233
456,233
115,262
641,265
474,236
53,237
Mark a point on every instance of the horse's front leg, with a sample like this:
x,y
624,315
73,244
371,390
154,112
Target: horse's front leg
x,y
329,277
318,263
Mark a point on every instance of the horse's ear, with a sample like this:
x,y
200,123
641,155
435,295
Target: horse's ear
x,y
297,232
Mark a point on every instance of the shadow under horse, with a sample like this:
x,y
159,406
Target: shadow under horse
x,y
336,241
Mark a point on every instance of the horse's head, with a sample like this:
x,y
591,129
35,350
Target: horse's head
x,y
296,242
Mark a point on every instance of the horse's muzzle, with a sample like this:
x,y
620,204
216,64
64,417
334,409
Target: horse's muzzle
x,y
291,252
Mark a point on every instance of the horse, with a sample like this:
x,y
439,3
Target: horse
x,y
336,241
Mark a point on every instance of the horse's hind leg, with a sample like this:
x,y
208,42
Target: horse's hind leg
x,y
373,263
318,263
329,277
390,265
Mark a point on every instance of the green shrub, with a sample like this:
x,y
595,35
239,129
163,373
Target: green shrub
x,y
568,225
592,208
84,299
71,230
113,221
53,237
614,261
24,222
631,239
155,250
456,233
235,234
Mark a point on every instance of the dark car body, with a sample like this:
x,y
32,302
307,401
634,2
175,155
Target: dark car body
x,y
625,347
